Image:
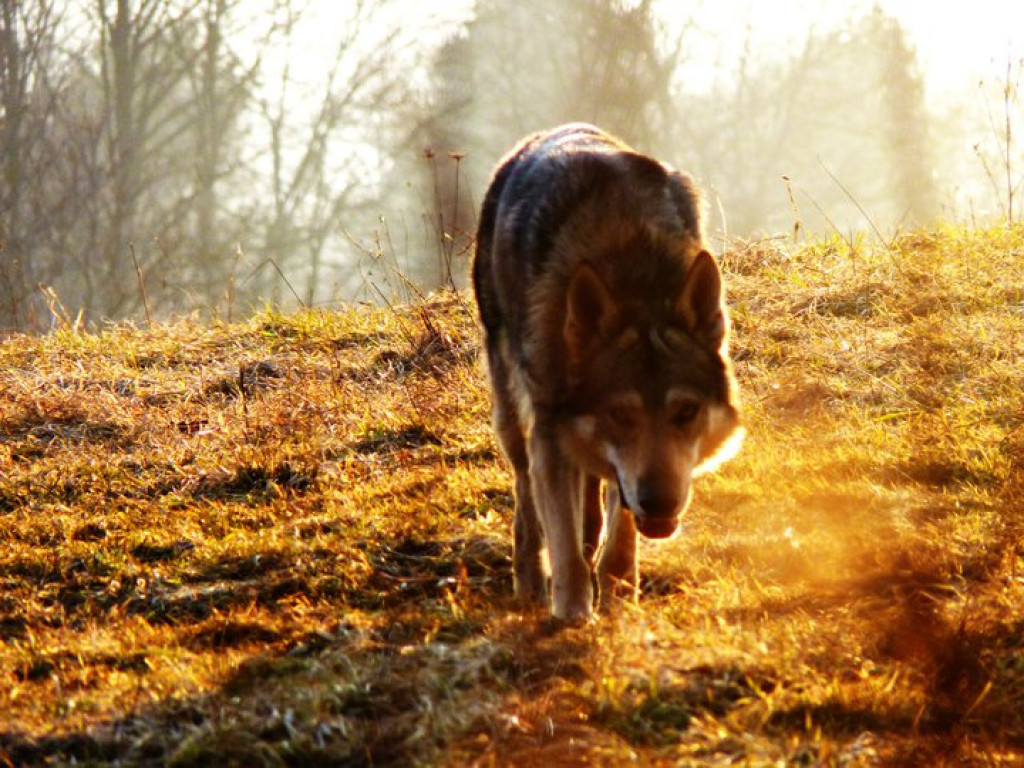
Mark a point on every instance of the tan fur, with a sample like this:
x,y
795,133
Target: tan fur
x,y
606,339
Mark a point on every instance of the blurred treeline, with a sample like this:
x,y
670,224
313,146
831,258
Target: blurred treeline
x,y
167,156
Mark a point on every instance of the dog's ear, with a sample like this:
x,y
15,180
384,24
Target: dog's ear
x,y
699,304
590,311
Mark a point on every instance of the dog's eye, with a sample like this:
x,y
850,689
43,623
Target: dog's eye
x,y
685,413
622,417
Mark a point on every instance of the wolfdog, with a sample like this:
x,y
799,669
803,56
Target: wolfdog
x,y
606,342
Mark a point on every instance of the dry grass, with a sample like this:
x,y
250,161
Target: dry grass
x,y
287,542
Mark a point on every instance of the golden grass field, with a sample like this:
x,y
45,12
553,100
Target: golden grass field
x,y
287,542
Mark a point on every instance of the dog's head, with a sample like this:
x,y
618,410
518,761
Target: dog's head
x,y
652,389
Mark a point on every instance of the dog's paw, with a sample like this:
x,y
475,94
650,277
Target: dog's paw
x,y
574,607
553,625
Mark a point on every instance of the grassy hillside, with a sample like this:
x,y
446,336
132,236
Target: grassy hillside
x,y
288,542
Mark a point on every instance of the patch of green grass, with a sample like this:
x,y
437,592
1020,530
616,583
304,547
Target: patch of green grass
x,y
288,541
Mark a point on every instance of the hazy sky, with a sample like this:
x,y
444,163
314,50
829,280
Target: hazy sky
x,y
957,42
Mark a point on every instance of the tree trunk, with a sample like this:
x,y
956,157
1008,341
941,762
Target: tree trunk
x,y
17,271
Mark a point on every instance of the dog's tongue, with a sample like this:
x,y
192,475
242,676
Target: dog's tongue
x,y
657,527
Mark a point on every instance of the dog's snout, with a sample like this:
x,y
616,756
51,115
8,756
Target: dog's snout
x,y
660,506
658,516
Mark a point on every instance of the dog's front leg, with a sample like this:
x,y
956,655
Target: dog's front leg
x,y
530,582
616,569
558,492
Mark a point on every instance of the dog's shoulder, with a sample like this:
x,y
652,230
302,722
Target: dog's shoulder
x,y
580,178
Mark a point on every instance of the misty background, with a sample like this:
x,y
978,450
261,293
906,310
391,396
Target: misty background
x,y
162,157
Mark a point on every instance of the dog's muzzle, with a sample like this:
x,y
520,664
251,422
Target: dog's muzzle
x,y
658,517
656,527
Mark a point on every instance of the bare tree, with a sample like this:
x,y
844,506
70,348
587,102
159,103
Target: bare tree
x,y
323,159
222,86
27,49
137,154
519,67
1000,153
843,119
142,76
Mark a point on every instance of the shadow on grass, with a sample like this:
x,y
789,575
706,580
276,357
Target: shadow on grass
x,y
427,649
407,656
31,434
962,658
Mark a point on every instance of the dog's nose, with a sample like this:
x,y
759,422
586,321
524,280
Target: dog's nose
x,y
658,516
660,506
